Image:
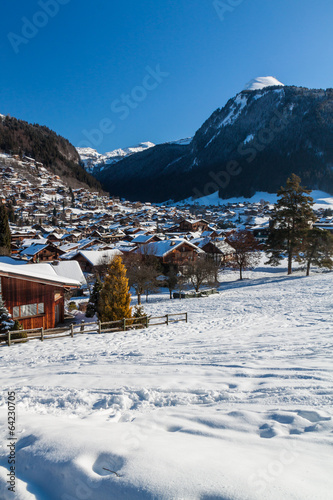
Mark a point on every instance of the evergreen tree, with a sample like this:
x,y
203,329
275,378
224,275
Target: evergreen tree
x,y
318,249
5,236
291,219
6,322
92,307
115,298
10,213
139,312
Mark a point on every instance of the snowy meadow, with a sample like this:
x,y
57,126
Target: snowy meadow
x,y
234,405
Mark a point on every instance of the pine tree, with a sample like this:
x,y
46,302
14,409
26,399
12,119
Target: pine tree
x,y
115,299
5,236
291,219
6,322
92,307
318,249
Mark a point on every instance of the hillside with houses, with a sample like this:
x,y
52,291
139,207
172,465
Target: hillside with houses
x,y
55,224
242,364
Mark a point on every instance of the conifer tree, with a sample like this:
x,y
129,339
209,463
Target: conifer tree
x,y
5,236
115,298
92,307
291,219
6,322
317,249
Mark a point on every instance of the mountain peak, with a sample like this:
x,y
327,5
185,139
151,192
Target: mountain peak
x,y
262,82
94,161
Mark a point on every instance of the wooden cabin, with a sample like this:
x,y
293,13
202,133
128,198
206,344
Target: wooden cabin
x,y
41,253
187,225
34,296
176,252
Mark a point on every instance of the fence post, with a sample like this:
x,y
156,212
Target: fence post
x,y
9,339
186,317
124,324
42,334
147,321
82,326
72,330
99,327
167,318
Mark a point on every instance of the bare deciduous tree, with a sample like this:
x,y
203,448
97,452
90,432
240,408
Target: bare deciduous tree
x,y
199,272
142,274
247,251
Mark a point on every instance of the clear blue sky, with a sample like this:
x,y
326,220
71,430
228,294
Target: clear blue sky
x,y
68,71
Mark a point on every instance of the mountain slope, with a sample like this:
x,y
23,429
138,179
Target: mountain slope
x,y
266,133
39,142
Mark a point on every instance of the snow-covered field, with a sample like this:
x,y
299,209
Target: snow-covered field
x,y
236,404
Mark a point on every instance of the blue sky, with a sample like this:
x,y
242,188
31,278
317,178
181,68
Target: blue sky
x,y
86,68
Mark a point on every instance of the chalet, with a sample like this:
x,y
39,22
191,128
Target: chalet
x,y
18,237
91,260
218,249
41,253
34,296
187,225
177,251
143,239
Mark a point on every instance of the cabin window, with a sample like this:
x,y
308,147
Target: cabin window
x,y
28,310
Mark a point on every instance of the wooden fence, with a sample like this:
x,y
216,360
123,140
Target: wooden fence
x,y
79,328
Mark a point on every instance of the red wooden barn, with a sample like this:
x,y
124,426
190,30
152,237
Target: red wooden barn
x,y
34,296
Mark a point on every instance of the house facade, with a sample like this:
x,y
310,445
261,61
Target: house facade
x,y
34,298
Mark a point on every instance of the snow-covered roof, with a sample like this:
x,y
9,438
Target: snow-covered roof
x,y
27,242
67,247
9,260
162,248
219,243
96,258
33,250
142,238
70,269
36,272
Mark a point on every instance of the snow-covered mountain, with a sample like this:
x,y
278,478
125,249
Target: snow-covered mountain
x,y
261,82
95,162
253,143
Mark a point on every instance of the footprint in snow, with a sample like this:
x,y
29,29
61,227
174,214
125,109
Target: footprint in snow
x,y
266,431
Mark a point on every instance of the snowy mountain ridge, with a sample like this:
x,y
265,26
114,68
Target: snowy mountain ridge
x,y
95,162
